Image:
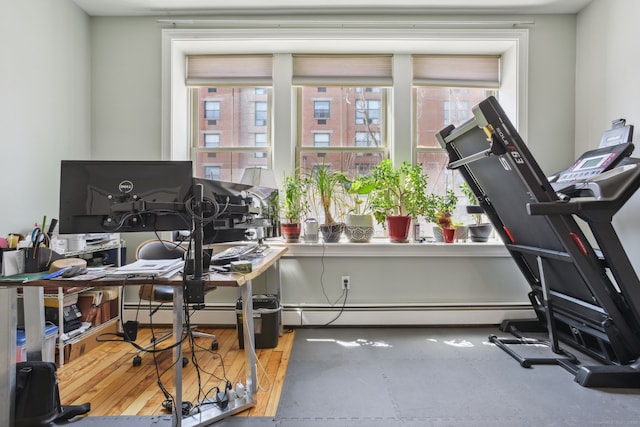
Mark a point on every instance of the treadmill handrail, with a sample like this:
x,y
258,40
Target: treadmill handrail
x,y
472,158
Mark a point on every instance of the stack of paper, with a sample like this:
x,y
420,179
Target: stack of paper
x,y
149,267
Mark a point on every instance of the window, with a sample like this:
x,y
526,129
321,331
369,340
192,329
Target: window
x,y
261,141
351,145
402,132
241,132
212,110
355,92
367,111
212,172
211,140
445,90
321,139
234,129
261,113
321,109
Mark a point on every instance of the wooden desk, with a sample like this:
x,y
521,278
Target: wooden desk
x,y
34,330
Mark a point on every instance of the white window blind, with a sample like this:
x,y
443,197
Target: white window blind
x,y
229,70
342,70
457,70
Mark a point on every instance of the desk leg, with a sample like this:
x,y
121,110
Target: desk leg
x,y
33,300
178,312
8,319
249,338
276,266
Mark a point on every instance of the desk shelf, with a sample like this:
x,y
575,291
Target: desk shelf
x,y
74,346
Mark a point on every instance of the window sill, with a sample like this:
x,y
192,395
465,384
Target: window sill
x,y
381,247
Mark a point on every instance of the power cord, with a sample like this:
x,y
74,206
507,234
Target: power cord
x,y
343,295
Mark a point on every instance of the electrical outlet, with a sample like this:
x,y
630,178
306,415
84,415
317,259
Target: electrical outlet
x,y
346,282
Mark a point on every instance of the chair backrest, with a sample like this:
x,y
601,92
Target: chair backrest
x,y
159,249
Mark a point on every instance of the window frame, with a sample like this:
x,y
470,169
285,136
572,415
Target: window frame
x,y
402,40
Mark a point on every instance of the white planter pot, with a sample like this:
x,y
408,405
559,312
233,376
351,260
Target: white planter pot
x,y
359,228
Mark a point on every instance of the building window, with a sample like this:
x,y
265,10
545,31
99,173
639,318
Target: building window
x,y
211,140
261,141
321,109
321,139
367,111
212,172
212,110
261,113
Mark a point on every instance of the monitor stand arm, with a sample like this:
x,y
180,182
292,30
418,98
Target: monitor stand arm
x,y
194,285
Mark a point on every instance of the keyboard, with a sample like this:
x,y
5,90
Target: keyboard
x,y
234,253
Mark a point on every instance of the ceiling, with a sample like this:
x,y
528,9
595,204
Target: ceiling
x,y
227,7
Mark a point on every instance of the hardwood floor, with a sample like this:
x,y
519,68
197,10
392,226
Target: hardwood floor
x,y
106,377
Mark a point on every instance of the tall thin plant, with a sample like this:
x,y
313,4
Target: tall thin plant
x,y
294,203
327,187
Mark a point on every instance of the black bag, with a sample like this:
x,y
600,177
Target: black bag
x,y
38,397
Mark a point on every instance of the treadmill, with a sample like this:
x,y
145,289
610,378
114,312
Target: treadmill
x,y
584,293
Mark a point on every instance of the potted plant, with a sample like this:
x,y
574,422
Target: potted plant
x,y
440,213
293,205
479,231
399,196
359,219
327,189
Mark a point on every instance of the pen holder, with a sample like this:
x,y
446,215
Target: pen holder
x,y
39,259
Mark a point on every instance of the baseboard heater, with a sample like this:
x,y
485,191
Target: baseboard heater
x,y
353,315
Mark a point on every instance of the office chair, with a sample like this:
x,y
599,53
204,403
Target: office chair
x,y
163,249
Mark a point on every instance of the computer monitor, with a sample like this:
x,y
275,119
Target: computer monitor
x,y
227,208
124,196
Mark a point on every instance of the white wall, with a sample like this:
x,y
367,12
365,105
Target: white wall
x,y
44,105
608,88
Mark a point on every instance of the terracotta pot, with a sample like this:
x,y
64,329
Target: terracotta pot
x,y
399,228
290,232
448,234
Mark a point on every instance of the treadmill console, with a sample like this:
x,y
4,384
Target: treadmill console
x,y
615,146
592,163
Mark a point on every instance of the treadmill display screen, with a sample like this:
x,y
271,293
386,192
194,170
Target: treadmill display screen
x,y
592,162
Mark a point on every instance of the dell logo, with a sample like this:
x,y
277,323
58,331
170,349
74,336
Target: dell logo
x,y
125,186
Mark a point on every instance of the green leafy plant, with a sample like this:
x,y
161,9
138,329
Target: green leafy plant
x,y
441,209
359,190
466,190
294,203
398,191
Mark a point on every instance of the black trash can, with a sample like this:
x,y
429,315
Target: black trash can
x,y
266,321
